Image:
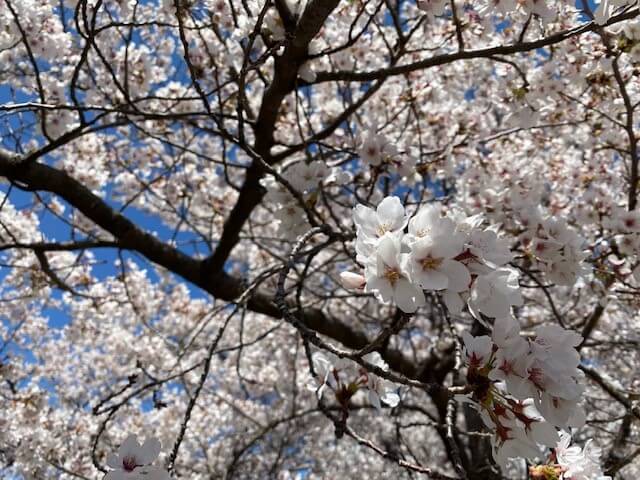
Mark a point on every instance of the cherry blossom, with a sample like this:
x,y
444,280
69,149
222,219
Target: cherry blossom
x,y
387,276
523,395
433,267
352,280
389,217
425,211
578,463
344,378
134,461
494,294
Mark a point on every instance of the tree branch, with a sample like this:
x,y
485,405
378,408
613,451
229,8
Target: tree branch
x,y
36,176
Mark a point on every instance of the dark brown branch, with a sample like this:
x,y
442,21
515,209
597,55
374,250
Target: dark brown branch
x,y
470,54
36,176
284,81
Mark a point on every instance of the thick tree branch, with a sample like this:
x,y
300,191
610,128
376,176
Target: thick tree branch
x,y
128,236
284,81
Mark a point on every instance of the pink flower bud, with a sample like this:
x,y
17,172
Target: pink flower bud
x,y
352,280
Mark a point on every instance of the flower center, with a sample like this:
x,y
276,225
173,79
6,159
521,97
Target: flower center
x,y
382,229
536,376
430,263
506,367
475,360
423,232
129,463
392,275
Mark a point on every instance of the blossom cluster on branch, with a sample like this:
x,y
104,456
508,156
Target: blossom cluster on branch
x,y
180,253
525,388
460,259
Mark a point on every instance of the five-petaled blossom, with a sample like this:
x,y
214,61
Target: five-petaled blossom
x,y
135,462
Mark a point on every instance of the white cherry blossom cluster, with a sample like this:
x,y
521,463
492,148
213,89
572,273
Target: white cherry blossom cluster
x,y
551,243
570,462
135,462
525,388
543,9
46,34
492,7
381,153
545,130
556,249
578,463
303,178
459,259
345,378
625,227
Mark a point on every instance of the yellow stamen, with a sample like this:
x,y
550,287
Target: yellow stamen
x,y
430,263
382,229
392,275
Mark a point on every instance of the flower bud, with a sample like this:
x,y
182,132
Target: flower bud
x,y
352,280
